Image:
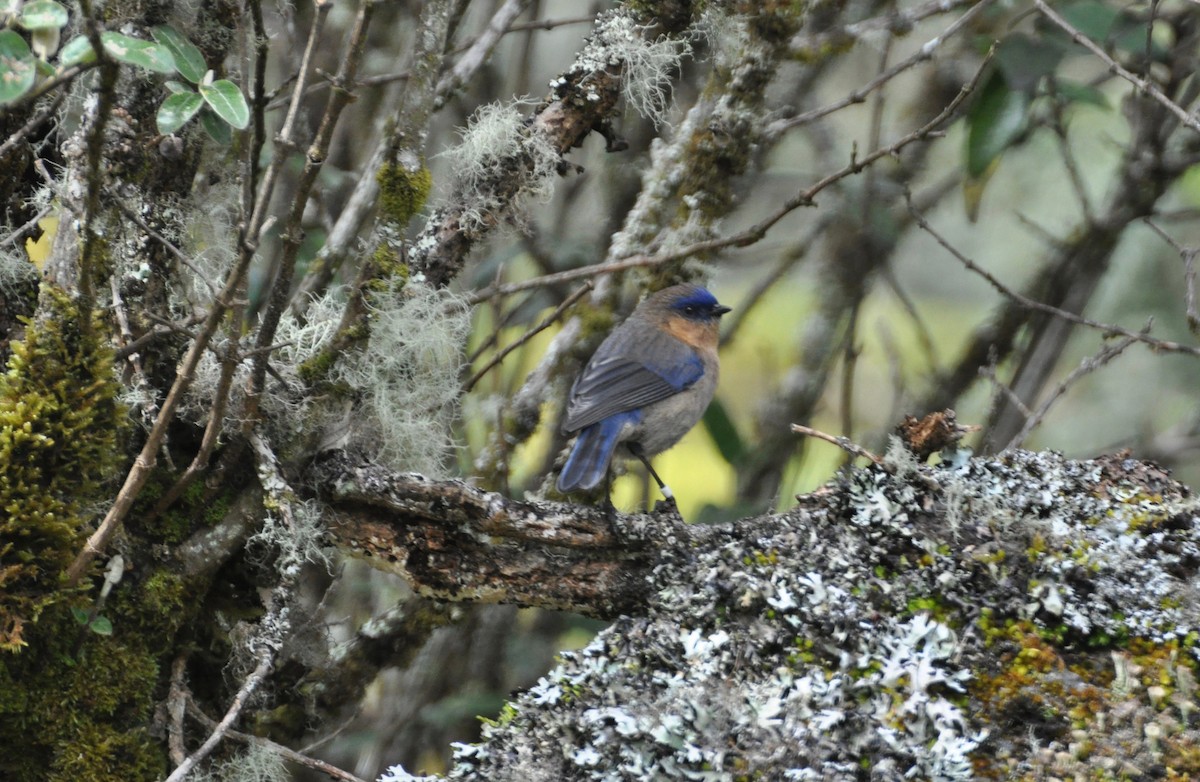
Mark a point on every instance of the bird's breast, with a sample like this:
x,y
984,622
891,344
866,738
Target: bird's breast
x,y
666,421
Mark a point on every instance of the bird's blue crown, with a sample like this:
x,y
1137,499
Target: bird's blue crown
x,y
697,303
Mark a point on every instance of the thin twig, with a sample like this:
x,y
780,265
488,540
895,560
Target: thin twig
x,y
266,657
841,442
1004,390
473,59
1086,367
24,229
1145,85
177,699
275,624
285,752
66,77
37,119
179,254
528,335
250,231
756,232
1188,254
1166,346
860,94
293,233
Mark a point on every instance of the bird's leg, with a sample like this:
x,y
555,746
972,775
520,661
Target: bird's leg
x,y
610,510
668,503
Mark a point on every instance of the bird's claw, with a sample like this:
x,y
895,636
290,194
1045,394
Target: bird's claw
x,y
666,506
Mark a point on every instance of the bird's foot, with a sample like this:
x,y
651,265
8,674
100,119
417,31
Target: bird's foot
x,y
610,510
667,504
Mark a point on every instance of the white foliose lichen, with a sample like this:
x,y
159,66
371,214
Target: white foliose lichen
x,y
860,636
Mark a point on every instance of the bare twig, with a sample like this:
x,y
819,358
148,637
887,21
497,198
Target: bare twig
x,y
179,254
479,51
1004,390
1188,255
45,113
293,233
24,230
177,700
860,94
1145,85
1086,367
284,752
402,141
266,657
1166,346
540,327
841,442
756,232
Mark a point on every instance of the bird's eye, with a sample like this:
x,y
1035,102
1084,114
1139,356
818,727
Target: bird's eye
x,y
690,309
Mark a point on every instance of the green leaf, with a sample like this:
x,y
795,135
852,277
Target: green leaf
x,y
995,121
42,14
1076,92
101,626
134,51
17,66
177,86
720,426
216,128
79,614
224,97
176,110
78,50
188,59
1093,19
1024,60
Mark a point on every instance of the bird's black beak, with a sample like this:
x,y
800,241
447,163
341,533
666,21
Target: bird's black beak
x,y
721,309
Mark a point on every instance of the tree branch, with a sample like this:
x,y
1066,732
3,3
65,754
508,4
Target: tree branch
x,y
454,541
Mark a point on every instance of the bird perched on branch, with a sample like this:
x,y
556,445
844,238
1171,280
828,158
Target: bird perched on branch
x,y
647,384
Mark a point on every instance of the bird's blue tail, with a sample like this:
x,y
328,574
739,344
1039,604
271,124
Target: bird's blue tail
x,y
593,450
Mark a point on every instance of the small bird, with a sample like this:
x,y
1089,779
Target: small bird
x,y
646,385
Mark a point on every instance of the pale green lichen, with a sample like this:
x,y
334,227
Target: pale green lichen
x,y
406,377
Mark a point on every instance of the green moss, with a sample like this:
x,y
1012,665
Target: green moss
x,y
100,754
194,509
58,427
76,703
402,193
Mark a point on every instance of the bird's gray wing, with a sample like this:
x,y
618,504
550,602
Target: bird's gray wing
x,y
634,367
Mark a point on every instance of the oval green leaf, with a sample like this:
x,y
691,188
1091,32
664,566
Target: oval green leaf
x,y
724,433
216,128
224,97
1024,60
133,51
176,110
101,625
43,14
995,120
78,50
188,59
17,66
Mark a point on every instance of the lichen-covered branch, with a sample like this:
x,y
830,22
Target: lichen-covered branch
x,y
976,620
457,542
515,163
